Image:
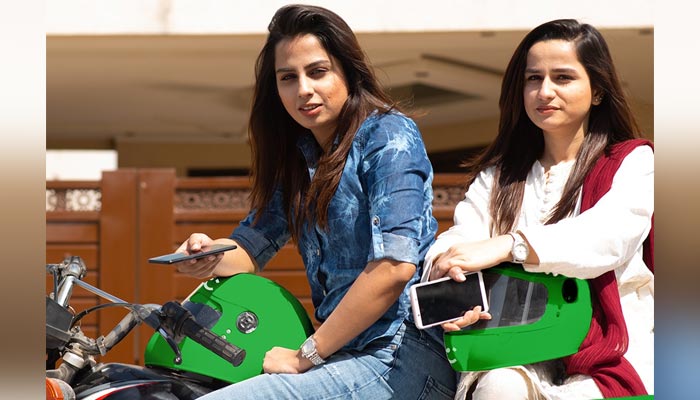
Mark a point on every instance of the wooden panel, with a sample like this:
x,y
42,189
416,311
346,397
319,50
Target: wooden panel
x,y
58,216
91,331
444,225
75,233
72,184
210,183
309,307
444,213
183,285
82,303
210,216
118,254
456,179
56,253
183,230
71,232
155,225
156,191
294,282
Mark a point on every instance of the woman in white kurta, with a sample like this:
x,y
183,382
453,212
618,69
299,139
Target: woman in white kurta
x,y
552,83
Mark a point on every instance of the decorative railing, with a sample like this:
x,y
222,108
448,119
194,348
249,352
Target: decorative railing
x,y
73,196
195,194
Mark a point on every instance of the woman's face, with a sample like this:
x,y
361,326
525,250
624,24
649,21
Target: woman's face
x,y
557,94
311,85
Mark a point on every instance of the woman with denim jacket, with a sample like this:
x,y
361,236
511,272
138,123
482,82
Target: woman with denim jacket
x,y
342,173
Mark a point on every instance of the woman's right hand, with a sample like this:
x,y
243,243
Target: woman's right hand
x,y
471,257
202,268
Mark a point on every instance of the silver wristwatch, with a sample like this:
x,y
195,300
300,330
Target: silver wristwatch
x,y
520,248
308,351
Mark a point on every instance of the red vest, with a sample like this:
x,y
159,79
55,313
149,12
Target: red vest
x,y
601,354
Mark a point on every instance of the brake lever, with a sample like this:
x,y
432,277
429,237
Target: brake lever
x,y
178,355
154,319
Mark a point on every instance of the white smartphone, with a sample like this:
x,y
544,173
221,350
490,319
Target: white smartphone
x,y
445,300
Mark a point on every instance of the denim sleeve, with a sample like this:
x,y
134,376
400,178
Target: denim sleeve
x,y
398,177
262,240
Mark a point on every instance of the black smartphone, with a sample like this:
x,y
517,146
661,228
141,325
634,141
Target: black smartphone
x,y
177,257
445,300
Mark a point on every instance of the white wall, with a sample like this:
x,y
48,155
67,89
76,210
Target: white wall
x,y
224,16
79,165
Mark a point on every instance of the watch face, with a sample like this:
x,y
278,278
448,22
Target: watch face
x,y
307,347
520,252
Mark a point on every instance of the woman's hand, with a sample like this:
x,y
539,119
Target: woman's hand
x,y
468,318
202,268
471,257
285,361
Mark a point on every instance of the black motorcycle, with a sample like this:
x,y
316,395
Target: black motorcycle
x,y
192,351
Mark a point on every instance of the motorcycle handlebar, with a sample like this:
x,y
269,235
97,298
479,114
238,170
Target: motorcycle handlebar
x,y
103,344
183,323
172,317
213,342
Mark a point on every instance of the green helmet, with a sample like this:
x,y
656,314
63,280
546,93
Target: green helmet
x,y
249,311
535,317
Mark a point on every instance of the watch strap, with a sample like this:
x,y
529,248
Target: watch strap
x,y
315,358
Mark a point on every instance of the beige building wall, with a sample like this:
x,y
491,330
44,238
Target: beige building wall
x,y
101,54
213,156
184,157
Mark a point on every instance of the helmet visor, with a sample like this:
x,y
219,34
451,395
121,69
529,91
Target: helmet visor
x,y
512,301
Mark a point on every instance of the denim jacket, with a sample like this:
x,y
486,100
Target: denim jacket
x,y
382,209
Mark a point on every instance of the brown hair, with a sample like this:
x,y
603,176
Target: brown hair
x,y
277,163
520,142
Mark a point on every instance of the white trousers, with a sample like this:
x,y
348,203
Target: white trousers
x,y
531,382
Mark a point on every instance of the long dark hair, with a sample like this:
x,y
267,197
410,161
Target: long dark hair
x,y
520,142
273,133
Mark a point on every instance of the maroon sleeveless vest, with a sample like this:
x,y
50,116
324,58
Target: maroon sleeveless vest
x,y
601,354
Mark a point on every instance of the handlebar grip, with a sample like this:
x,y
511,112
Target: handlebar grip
x,y
213,342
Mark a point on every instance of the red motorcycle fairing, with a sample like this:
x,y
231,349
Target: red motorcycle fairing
x,y
115,381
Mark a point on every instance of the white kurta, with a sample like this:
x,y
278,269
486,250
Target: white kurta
x,y
609,236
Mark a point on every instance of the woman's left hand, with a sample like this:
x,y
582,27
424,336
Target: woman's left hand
x,y
471,257
468,318
285,361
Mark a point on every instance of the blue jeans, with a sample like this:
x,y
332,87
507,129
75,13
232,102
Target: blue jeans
x,y
411,365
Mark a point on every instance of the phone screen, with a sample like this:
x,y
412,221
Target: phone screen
x,y
447,299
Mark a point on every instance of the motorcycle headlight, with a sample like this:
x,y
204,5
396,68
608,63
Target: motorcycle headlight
x,y
56,389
